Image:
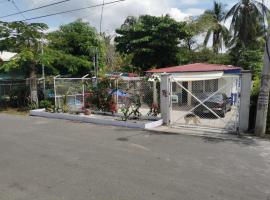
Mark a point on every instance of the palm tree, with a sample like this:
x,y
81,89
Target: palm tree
x,y
216,26
247,20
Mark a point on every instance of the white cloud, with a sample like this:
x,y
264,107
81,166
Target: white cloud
x,y
114,15
195,11
189,2
177,14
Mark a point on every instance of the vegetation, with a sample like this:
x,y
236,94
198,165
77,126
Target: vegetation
x,y
152,41
71,49
99,97
216,27
24,39
67,51
142,43
248,21
131,108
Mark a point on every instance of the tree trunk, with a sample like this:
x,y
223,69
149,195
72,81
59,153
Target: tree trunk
x,y
215,42
263,100
33,85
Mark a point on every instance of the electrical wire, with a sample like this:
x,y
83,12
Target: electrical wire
x,y
17,8
87,16
32,9
73,10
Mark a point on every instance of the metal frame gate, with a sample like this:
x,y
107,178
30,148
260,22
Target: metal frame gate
x,y
206,104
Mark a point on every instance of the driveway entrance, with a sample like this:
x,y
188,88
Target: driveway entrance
x,y
207,102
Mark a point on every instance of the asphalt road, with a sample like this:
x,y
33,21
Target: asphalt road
x,y
43,159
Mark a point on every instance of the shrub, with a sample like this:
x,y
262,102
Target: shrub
x,y
99,96
45,104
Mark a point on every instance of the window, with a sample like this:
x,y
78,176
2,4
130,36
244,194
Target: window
x,y
197,87
174,86
211,85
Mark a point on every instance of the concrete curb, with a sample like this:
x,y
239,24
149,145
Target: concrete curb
x,y
91,119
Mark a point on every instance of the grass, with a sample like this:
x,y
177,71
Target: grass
x,y
13,111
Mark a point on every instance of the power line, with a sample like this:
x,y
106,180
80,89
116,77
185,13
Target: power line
x,y
32,9
88,15
68,11
17,8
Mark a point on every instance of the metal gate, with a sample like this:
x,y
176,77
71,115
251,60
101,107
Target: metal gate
x,y
206,104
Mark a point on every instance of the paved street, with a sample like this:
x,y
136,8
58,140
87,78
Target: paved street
x,y
44,159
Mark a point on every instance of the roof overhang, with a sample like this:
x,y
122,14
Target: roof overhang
x,y
190,76
197,76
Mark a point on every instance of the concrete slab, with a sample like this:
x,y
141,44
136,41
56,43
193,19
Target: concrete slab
x,y
197,132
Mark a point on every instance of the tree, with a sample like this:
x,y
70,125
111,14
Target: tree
x,y
68,51
113,60
75,45
152,41
24,39
247,21
248,58
204,55
216,27
193,29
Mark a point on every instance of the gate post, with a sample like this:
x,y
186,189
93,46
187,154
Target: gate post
x,y
165,98
246,84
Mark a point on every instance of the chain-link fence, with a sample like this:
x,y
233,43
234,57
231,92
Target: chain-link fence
x,y
207,103
131,97
144,92
69,93
14,93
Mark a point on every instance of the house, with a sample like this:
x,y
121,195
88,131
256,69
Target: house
x,y
201,78
4,76
6,56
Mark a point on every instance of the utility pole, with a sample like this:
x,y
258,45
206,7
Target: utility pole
x,y
263,100
43,71
101,18
95,62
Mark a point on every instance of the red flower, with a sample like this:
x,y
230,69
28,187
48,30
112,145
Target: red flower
x,y
154,106
113,107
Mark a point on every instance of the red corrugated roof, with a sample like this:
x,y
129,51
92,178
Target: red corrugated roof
x,y
196,67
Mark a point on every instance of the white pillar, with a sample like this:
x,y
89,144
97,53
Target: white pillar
x,y
165,98
189,96
155,96
246,84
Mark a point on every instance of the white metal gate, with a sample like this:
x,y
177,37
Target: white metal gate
x,y
206,104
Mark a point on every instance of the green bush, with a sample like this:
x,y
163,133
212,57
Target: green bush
x,y
45,104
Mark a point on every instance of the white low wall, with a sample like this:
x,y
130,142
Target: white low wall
x,y
151,118
89,119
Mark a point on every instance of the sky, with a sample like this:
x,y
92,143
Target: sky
x,y
113,16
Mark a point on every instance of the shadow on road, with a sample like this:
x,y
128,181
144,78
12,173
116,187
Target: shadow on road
x,y
238,140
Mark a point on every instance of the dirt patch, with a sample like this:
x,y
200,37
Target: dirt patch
x,y
14,111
